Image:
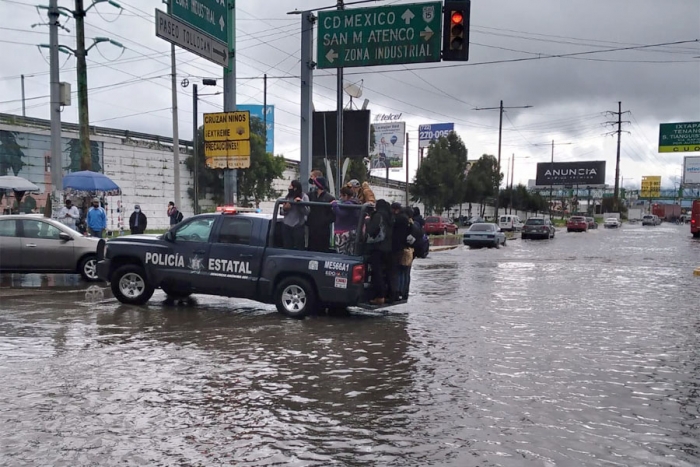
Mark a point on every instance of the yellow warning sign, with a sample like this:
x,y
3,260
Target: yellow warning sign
x,y
227,126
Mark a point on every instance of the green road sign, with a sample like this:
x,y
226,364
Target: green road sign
x,y
679,137
209,16
387,35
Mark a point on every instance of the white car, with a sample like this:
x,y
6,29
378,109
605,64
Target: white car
x,y
612,223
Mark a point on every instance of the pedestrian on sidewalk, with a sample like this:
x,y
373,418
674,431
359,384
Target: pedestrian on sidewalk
x,y
138,221
96,219
69,215
174,214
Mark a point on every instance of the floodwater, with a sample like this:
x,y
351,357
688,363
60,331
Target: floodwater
x,y
583,350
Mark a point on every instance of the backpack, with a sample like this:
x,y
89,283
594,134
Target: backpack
x,y
381,235
179,217
421,244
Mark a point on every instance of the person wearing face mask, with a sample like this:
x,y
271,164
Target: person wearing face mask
x,y
96,219
137,221
293,231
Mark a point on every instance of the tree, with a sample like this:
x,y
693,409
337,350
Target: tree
x,y
482,180
440,181
10,153
254,183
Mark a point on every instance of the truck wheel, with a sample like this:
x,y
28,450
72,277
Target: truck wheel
x,y
129,285
88,268
295,297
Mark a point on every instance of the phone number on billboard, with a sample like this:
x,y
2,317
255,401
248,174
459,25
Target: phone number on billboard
x,y
431,135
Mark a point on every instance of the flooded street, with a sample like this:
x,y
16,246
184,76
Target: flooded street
x,y
583,350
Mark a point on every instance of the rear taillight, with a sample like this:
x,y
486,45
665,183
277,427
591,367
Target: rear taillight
x,y
358,274
692,221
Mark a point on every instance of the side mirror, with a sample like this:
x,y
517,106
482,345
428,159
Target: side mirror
x,y
65,237
169,236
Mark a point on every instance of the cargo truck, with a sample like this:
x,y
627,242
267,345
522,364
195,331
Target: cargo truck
x,y
666,212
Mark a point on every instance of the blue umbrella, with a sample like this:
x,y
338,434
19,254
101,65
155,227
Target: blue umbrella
x,y
89,181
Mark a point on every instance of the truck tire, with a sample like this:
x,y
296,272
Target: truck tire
x,y
88,268
130,285
295,297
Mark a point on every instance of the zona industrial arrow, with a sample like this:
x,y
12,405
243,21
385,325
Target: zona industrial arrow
x,y
427,33
331,55
408,16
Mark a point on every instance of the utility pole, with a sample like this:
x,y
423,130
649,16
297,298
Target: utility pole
x,y
81,53
500,109
56,150
265,110
619,122
407,195
83,113
24,107
307,83
230,175
177,193
512,169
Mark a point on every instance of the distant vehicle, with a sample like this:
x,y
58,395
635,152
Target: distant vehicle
x,y
666,212
592,224
612,223
695,219
473,220
484,235
510,223
577,224
651,219
40,245
439,226
537,227
634,214
685,219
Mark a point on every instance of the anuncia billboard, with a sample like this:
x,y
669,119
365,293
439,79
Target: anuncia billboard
x,y
584,173
691,170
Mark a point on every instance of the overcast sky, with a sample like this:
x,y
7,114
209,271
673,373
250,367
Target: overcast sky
x,y
131,90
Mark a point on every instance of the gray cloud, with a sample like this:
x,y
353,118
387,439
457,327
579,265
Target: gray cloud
x,y
569,95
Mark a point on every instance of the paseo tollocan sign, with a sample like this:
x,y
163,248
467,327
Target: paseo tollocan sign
x,y
585,173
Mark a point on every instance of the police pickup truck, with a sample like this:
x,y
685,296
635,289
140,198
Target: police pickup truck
x,y
234,253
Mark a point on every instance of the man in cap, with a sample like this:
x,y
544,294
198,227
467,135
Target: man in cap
x,y
96,219
137,221
69,215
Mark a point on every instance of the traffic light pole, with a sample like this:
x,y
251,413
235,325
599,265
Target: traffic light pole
x,y
307,85
230,175
56,151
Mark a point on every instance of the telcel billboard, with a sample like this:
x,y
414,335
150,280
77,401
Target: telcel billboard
x,y
583,174
691,171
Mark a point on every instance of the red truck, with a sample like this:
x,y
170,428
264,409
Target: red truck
x,y
695,219
666,212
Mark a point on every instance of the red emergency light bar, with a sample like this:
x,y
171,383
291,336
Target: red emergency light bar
x,y
235,209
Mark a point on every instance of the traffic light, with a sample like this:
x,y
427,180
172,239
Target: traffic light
x,y
455,34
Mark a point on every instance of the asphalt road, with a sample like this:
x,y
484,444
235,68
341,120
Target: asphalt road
x,y
583,350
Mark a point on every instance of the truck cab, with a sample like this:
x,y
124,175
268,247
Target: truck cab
x,y
233,253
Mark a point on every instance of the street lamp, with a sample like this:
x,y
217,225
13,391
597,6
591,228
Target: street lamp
x,y
195,131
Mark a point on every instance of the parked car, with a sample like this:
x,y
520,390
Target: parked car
x,y
510,223
612,223
537,227
439,226
32,244
577,224
592,224
484,235
651,219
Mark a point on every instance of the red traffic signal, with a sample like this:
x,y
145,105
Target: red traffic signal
x,y
455,34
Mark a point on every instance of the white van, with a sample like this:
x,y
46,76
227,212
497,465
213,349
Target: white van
x,y
510,223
